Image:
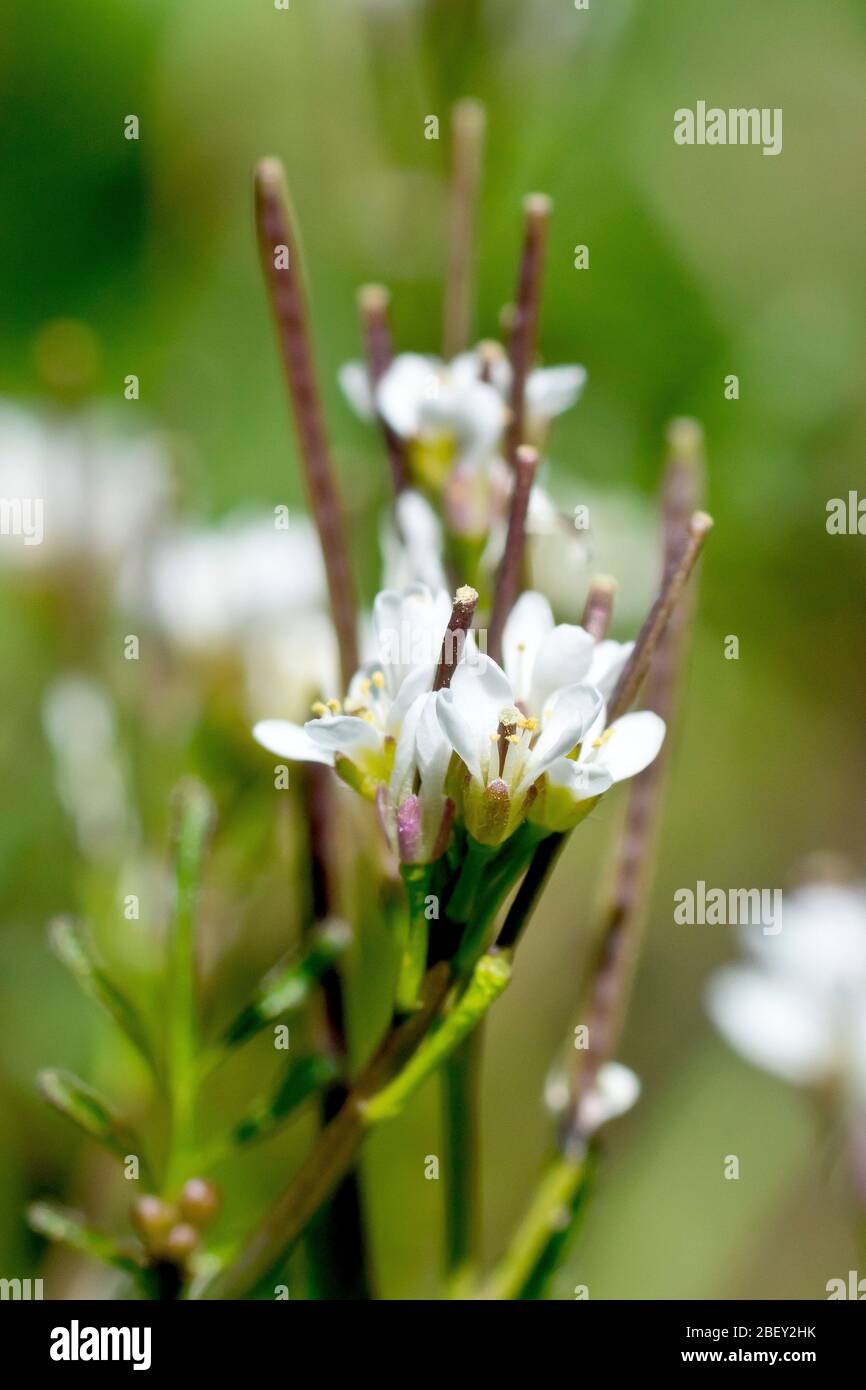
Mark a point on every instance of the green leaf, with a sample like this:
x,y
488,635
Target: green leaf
x,y
303,1078
86,1109
287,987
72,946
69,1228
194,820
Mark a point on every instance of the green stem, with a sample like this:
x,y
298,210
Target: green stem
x,y
338,1145
413,962
490,977
461,904
544,1234
461,1075
194,820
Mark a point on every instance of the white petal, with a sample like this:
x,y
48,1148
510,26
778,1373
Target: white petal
x,y
551,390
616,1090
343,733
571,711
582,780
771,1024
630,744
354,378
529,621
409,381
475,415
822,941
563,658
469,710
290,741
608,660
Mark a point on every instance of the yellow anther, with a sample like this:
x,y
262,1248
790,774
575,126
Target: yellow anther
x,y
319,709
365,686
378,680
530,723
599,742
512,738
334,706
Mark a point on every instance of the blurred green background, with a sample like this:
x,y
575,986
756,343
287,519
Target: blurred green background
x,y
703,262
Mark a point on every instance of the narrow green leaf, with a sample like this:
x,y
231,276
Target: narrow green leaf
x,y
303,1078
287,987
69,1228
72,946
194,812
86,1109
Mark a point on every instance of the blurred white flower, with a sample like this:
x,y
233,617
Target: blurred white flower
x,y
205,587
797,1007
80,726
412,544
616,1090
245,591
425,400
460,408
100,491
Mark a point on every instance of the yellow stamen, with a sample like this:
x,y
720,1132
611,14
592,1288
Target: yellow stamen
x,y
378,679
599,742
319,709
334,706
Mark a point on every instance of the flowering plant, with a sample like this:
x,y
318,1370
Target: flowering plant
x,y
478,731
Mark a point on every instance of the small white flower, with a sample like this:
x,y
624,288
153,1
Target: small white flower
x,y
207,588
424,400
99,490
511,727
541,660
359,735
549,390
616,1090
797,1007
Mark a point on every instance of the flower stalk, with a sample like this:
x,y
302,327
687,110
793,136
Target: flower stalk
x,y
280,253
468,122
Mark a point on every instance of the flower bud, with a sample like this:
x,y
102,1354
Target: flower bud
x,y
152,1220
182,1239
199,1201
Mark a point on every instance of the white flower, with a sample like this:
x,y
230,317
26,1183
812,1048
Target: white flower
x,y
549,390
797,1008
616,1090
206,587
424,399
81,727
412,544
510,727
463,403
359,735
541,660
94,490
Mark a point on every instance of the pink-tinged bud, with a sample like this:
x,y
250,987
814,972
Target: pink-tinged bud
x,y
152,1219
181,1241
199,1201
409,830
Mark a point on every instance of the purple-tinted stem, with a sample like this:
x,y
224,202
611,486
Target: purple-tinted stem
x,y
286,291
